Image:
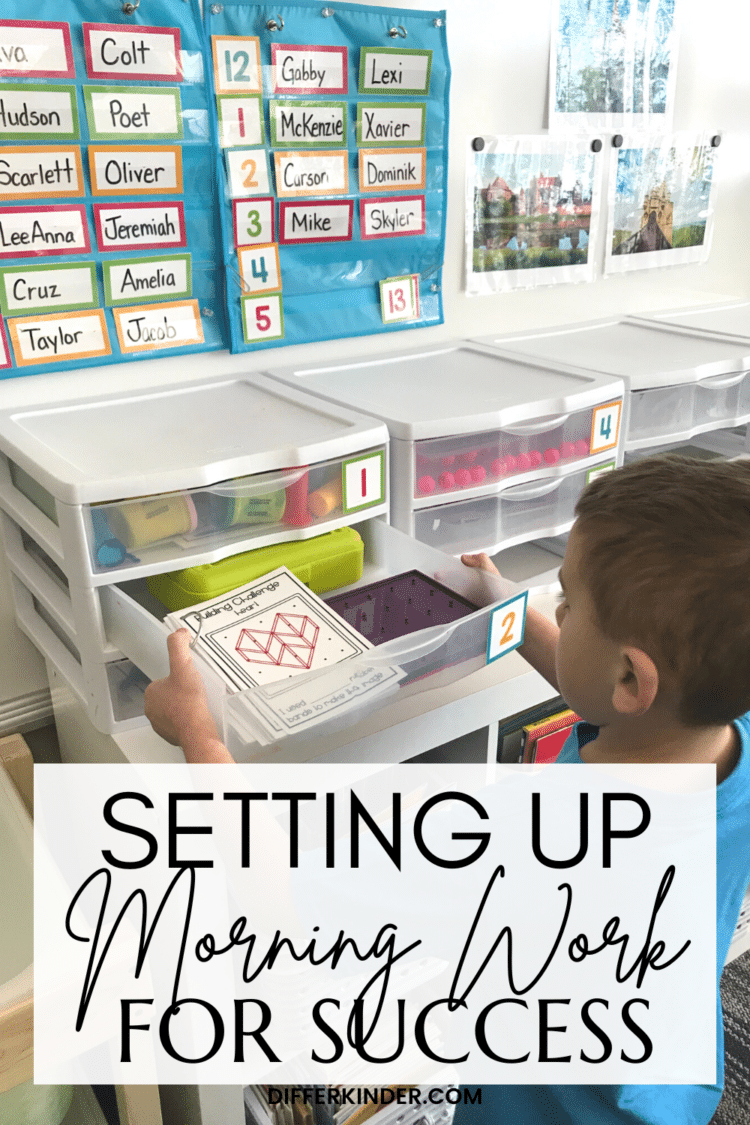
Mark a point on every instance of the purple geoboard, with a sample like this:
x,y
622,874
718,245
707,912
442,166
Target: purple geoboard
x,y
396,606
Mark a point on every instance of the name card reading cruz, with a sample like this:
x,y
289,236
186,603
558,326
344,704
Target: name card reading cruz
x,y
383,124
137,169
71,335
37,289
38,111
319,124
40,172
28,231
114,51
386,218
171,325
139,226
115,112
309,69
236,64
316,222
36,49
394,70
166,275
392,169
312,173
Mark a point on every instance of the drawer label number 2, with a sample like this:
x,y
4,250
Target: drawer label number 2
x,y
363,481
605,426
506,627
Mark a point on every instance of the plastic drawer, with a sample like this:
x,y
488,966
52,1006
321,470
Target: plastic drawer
x,y
661,413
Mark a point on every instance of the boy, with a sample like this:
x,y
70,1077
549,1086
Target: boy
x,y
652,648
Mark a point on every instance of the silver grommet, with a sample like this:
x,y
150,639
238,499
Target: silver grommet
x,y
434,288
128,7
272,25
216,9
396,32
438,22
207,312
326,12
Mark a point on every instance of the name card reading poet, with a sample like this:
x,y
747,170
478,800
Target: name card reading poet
x,y
318,124
40,172
311,69
312,173
38,111
115,112
114,51
137,169
46,339
392,169
36,49
28,231
316,222
38,289
145,327
394,70
139,226
394,124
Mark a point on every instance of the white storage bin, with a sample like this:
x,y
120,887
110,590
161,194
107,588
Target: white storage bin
x,y
729,320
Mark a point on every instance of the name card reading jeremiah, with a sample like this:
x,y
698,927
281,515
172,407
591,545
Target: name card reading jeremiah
x,y
36,49
40,171
38,289
392,169
133,111
143,169
384,218
394,124
139,226
309,69
38,111
316,222
307,123
312,173
394,70
114,51
175,324
167,275
71,335
27,231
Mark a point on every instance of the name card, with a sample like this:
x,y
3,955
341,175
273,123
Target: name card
x,y
383,124
147,327
254,221
141,169
114,112
36,49
167,275
114,51
38,111
40,171
312,173
45,339
308,123
236,64
4,349
34,289
392,169
385,218
139,226
316,222
240,120
28,231
309,69
247,171
394,70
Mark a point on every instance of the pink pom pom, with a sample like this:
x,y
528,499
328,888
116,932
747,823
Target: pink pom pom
x,y
524,462
447,480
551,456
510,463
477,474
446,462
535,457
498,467
463,478
567,449
582,448
426,484
471,455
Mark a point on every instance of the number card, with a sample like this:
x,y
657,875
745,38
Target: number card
x,y
36,49
388,218
311,173
165,275
309,69
38,111
599,469
38,289
139,226
259,268
247,170
262,318
236,64
240,120
392,169
143,328
70,335
4,349
363,482
394,70
114,51
506,627
137,169
115,112
28,231
254,221
605,426
399,298
40,172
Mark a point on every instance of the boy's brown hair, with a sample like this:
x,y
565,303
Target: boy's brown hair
x,y
666,560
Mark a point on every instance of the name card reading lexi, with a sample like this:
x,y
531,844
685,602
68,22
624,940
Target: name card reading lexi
x,y
139,226
309,69
394,70
36,49
383,124
236,64
312,173
114,51
114,112
145,327
38,111
392,169
308,123
40,171
240,120
167,275
44,339
37,289
316,222
27,231
142,169
385,218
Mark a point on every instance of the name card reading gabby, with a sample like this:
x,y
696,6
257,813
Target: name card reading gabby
x,y
29,111
310,69
69,335
139,226
392,169
36,50
115,112
141,169
312,173
386,70
307,123
161,276
38,289
114,51
28,231
40,172
384,124
172,325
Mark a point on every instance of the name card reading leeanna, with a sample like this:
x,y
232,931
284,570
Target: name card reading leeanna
x,y
308,123
38,111
172,325
114,112
312,173
142,169
167,275
44,339
36,49
383,124
37,289
385,218
394,70
114,51
28,231
139,226
309,69
40,171
392,169
316,222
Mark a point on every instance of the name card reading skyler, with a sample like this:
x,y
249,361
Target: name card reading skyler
x,y
38,111
308,123
36,49
312,173
37,289
394,70
114,51
383,124
392,169
139,226
44,339
309,69
146,327
142,169
114,112
167,275
385,218
28,231
240,120
40,171
316,222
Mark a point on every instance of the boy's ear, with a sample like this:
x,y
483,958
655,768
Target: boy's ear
x,y
637,684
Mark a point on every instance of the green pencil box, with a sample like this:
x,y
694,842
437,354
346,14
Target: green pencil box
x,y
325,562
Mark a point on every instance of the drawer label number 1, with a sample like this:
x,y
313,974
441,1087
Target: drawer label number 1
x,y
363,482
507,622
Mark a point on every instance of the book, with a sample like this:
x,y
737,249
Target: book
x,y
542,741
510,730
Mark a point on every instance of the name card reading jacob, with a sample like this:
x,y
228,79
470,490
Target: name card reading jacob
x,y
139,226
27,231
40,171
45,339
240,120
133,111
38,111
172,325
145,169
162,276
309,69
236,64
36,49
394,70
385,218
37,289
391,124
316,222
308,123
312,173
114,51
392,169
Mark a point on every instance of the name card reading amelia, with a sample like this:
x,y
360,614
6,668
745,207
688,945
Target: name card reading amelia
x,y
28,231
38,111
115,112
308,123
383,124
394,70
114,51
139,226
145,327
141,169
312,173
37,289
40,171
392,169
385,218
45,339
167,275
36,49
309,69
316,222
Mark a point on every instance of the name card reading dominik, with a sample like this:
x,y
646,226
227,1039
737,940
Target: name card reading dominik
x,y
37,289
27,231
145,169
44,339
40,171
394,70
308,123
247,171
114,51
175,324
385,218
311,69
236,64
392,168
166,275
139,226
38,111
394,124
115,112
316,222
36,49
312,173
240,120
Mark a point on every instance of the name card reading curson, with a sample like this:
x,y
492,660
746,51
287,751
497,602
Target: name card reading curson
x,y
139,226
28,231
166,275
394,124
40,172
141,169
386,218
312,173
36,49
38,289
114,51
144,112
394,70
175,324
38,111
392,169
316,222
317,124
312,69
72,335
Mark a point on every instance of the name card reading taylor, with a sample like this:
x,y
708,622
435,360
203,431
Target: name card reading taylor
x,y
36,49
114,51
28,231
139,226
40,171
45,339
143,169
309,69
175,324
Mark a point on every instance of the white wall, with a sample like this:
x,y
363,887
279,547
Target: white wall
x,y
500,57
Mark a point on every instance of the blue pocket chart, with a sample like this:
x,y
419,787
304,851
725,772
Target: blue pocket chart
x,y
331,129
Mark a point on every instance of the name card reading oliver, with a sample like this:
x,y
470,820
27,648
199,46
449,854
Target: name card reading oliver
x,y
114,51
143,169
38,111
240,120
247,170
171,325
139,226
316,222
299,69
115,112
166,275
385,218
37,289
236,64
394,70
394,124
308,123
40,171
27,231
254,221
72,335
312,173
36,49
392,169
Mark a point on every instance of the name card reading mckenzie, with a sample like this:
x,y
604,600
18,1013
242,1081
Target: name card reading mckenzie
x,y
146,327
312,173
318,124
28,231
316,222
40,171
392,169
386,218
38,111
114,51
45,339
166,275
142,169
139,226
37,289
394,70
115,112
395,124
36,49
309,69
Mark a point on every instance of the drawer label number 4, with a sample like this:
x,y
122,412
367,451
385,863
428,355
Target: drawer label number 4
x,y
507,622
605,426
363,481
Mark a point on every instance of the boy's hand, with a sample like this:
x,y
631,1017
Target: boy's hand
x,y
177,706
481,562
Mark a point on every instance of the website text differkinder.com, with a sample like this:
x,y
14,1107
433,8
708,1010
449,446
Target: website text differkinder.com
x,y
383,1095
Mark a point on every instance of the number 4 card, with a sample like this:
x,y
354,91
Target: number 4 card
x,y
262,318
259,268
399,298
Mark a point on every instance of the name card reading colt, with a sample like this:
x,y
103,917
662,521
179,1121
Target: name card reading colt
x,y
312,69
133,111
114,51
28,111
146,169
36,49
40,171
394,70
394,124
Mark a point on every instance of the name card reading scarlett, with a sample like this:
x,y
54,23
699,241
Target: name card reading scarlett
x,y
384,218
240,120
44,339
143,169
236,64
247,170
308,123
394,70
139,226
40,171
392,169
36,49
167,275
38,111
114,51
145,327
312,173
133,111
36,289
316,222
309,70
27,231
383,124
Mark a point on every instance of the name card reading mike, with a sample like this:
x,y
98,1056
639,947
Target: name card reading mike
x,y
171,325
37,289
386,218
311,69
114,51
137,169
70,335
28,231
44,111
397,70
307,123
167,275
316,222
392,168
139,226
37,49
40,171
402,124
114,112
312,173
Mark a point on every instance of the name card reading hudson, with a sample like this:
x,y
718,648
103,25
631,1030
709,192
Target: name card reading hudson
x,y
44,339
137,111
316,222
38,111
36,49
40,172
312,173
309,69
38,289
386,218
114,51
27,231
165,275
144,169
139,226
145,327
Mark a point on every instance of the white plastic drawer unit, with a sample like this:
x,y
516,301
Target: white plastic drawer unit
x,y
175,476
679,382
